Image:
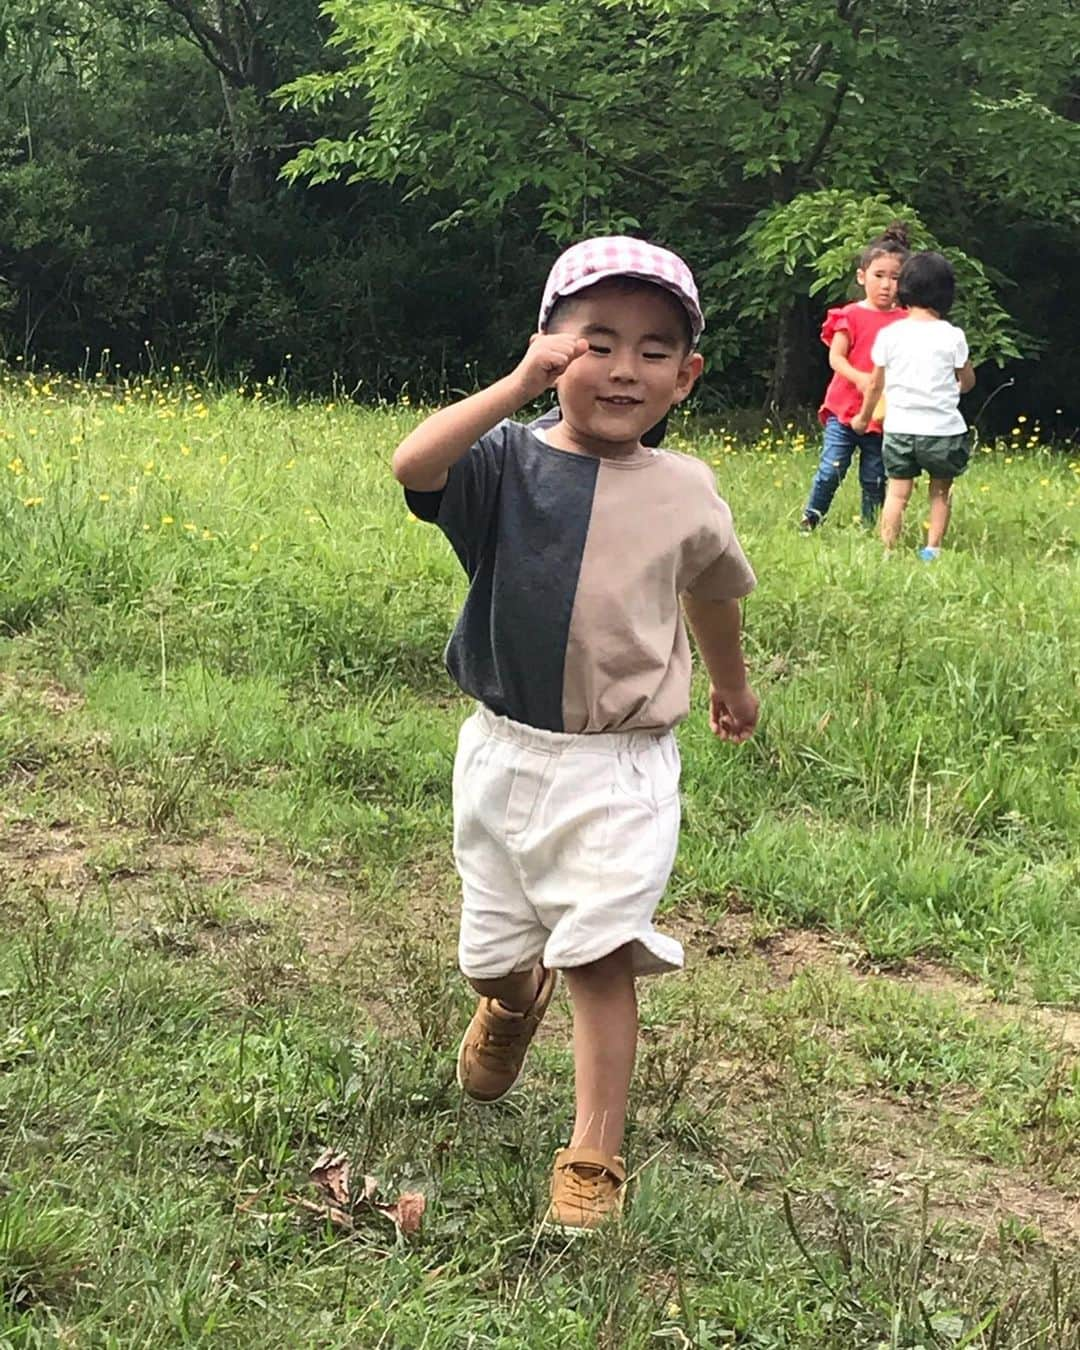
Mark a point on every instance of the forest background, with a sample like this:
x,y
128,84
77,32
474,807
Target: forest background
x,y
364,197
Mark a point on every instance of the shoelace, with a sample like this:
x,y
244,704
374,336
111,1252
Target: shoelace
x,y
586,1186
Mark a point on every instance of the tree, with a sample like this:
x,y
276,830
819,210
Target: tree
x,y
702,121
252,45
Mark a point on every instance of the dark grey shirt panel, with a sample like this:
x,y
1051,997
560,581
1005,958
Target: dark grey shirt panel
x,y
517,514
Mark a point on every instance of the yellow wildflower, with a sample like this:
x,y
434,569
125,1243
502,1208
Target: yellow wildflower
x,y
166,520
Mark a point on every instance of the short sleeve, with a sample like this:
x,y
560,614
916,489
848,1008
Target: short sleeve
x,y
879,352
836,321
962,353
720,570
465,508
546,420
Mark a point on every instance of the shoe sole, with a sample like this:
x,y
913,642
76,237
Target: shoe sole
x,y
569,1230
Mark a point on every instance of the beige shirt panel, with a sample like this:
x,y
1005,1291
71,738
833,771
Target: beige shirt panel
x,y
657,529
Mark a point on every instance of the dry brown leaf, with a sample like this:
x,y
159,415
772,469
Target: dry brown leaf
x,y
406,1212
330,1172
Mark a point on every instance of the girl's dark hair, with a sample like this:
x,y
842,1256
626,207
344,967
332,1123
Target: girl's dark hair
x,y
892,239
927,280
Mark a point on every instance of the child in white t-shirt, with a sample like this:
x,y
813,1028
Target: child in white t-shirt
x,y
921,364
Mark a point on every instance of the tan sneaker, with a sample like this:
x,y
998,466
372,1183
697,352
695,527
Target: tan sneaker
x,y
587,1189
493,1048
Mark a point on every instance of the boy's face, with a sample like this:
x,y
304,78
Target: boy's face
x,y
637,366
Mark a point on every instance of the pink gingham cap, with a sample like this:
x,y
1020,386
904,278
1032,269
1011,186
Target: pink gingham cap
x,y
592,260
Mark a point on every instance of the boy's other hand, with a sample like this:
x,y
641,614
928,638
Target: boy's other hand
x,y
733,713
860,424
548,356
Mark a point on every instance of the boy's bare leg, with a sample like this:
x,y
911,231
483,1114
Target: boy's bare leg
x,y
940,510
892,513
605,1042
516,991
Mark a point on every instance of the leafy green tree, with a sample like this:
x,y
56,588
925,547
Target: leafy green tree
x,y
706,122
251,45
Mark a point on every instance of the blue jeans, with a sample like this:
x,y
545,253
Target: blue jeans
x,y
836,456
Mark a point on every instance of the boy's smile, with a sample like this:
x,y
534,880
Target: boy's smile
x,y
637,366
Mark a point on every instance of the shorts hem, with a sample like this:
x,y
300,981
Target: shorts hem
x,y
516,967
653,953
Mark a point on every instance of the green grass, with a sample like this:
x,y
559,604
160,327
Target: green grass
x,y
228,917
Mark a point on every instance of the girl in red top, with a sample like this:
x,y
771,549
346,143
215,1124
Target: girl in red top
x,y
849,333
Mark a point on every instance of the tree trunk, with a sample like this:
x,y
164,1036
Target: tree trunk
x,y
249,177
795,377
229,36
244,95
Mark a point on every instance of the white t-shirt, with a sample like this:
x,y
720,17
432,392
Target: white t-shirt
x,y
921,358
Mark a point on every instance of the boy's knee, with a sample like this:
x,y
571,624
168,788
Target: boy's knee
x,y
615,965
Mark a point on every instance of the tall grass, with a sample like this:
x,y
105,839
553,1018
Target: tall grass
x,y
240,588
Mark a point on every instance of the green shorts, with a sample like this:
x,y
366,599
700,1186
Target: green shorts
x,y
907,456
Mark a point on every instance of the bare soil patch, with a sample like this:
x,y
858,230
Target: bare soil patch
x,y
999,1201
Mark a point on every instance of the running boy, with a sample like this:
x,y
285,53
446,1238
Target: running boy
x,y
578,542
921,363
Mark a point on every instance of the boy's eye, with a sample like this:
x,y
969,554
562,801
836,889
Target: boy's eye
x,y
600,351
655,356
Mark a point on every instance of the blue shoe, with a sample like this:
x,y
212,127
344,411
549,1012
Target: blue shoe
x,y
929,554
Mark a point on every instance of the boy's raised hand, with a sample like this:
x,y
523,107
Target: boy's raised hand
x,y
548,356
733,713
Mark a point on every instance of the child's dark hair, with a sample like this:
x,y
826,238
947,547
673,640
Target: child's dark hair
x,y
928,281
625,286
893,239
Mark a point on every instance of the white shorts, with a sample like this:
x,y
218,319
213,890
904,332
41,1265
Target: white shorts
x,y
564,845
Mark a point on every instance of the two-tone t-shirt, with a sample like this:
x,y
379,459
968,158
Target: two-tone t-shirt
x,y
572,620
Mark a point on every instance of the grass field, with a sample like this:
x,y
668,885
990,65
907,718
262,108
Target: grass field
x,y
228,917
